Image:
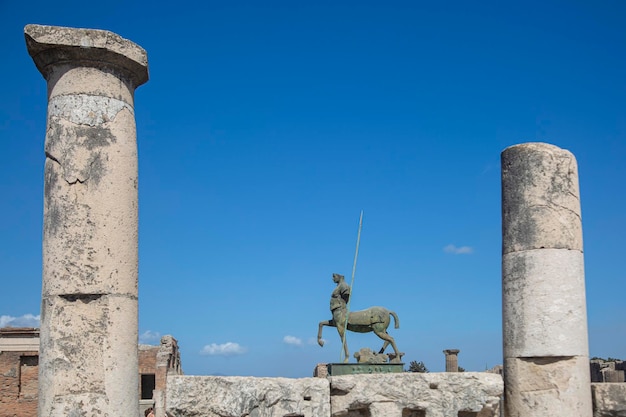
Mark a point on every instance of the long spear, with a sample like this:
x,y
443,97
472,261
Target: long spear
x,y
356,255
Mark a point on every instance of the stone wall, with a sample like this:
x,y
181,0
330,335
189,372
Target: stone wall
x,y
609,399
18,384
467,394
407,394
19,366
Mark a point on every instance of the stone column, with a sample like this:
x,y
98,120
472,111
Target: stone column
x,y
88,354
452,360
546,354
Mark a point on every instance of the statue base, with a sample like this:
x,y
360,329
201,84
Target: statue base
x,y
335,369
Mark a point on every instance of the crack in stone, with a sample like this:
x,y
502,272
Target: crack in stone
x,y
552,207
49,156
77,181
85,298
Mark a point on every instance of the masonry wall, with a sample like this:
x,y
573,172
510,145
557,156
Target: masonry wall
x,y
18,383
19,367
147,359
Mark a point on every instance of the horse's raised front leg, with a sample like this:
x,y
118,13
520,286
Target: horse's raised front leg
x,y
330,323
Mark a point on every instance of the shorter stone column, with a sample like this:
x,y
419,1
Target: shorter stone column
x,y
544,317
452,360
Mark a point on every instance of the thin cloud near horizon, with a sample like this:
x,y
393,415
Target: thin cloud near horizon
x,y
27,320
458,250
224,349
149,336
292,340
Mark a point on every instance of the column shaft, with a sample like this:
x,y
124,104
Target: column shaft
x,y
88,354
452,360
546,355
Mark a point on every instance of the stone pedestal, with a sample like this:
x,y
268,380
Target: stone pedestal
x,y
452,360
546,355
88,357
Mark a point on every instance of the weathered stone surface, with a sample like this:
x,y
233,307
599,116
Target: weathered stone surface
x,y
88,357
51,45
211,396
544,313
609,399
547,386
416,394
540,199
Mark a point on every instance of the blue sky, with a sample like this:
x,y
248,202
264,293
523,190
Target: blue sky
x,y
266,127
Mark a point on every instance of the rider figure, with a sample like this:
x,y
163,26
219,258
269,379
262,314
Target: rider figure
x,y
341,294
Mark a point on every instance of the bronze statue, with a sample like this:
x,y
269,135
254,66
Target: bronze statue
x,y
373,319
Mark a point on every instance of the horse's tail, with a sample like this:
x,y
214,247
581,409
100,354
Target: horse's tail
x,y
395,318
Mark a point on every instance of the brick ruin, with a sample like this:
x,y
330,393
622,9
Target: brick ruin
x,y
19,367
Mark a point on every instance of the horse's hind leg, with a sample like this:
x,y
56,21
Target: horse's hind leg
x,y
388,340
382,349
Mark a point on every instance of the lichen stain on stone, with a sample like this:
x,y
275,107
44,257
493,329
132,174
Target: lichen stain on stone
x,y
51,177
53,217
97,169
94,137
79,151
52,220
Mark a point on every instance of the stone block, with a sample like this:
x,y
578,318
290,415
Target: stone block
x,y
537,387
540,199
609,399
83,340
613,376
416,394
212,396
544,313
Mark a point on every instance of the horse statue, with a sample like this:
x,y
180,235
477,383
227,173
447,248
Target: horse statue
x,y
373,319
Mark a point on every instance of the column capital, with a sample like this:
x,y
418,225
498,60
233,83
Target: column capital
x,y
451,351
53,45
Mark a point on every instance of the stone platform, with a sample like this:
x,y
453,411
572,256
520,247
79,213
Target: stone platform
x,y
335,369
475,394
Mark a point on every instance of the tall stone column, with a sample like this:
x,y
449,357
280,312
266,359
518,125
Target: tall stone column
x,y
88,350
452,360
546,354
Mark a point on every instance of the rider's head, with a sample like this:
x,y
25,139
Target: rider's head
x,y
338,277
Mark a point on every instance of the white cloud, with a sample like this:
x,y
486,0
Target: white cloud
x,y
149,336
225,349
292,340
27,320
460,250
313,341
